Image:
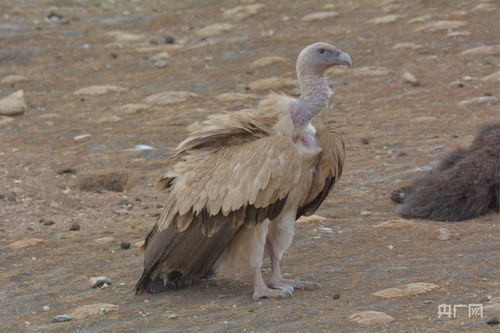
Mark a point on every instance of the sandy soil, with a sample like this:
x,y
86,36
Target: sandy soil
x,y
394,131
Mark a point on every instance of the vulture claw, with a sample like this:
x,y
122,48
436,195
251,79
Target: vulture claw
x,y
265,292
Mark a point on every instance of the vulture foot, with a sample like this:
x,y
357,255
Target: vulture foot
x,y
302,285
264,292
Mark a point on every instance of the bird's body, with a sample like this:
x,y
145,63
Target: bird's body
x,y
237,184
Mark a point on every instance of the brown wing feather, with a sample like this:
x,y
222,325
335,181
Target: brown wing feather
x,y
328,168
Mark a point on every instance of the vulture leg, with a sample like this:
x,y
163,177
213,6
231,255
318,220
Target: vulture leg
x,y
279,239
261,290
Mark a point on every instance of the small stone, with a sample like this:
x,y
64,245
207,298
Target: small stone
x,y
233,97
99,281
444,234
479,100
214,30
386,19
123,37
242,12
13,104
310,218
336,296
23,243
272,83
458,34
74,227
394,224
483,50
428,301
407,45
125,245
406,290
169,39
365,213
172,316
131,108
410,78
169,97
365,141
105,240
90,310
371,318
440,25
59,236
99,90
319,16
420,19
161,56
161,63
45,308
266,61
66,171
486,298
82,137
13,79
493,321
61,318
223,296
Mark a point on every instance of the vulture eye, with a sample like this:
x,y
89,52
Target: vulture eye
x,y
322,51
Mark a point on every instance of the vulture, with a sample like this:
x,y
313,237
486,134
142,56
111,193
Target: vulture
x,y
237,184
466,184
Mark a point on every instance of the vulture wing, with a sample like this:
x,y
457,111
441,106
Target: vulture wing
x,y
328,168
212,193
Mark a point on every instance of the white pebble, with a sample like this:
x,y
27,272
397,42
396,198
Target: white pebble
x,y
46,308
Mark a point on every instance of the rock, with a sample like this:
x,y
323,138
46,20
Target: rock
x,y
123,37
169,39
272,83
483,50
444,234
105,240
125,245
365,213
370,71
411,79
336,296
131,108
494,77
319,16
90,310
214,29
74,227
99,90
169,97
406,290
493,321
13,79
310,218
486,298
440,25
172,316
242,12
266,61
458,34
4,120
81,138
420,19
232,97
100,281
22,243
13,105
161,63
45,308
61,318
161,56
394,224
386,19
479,100
140,148
371,318
407,45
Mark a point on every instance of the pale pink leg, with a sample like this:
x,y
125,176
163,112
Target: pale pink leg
x,y
261,290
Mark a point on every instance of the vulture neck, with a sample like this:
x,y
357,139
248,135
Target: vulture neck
x,y
314,98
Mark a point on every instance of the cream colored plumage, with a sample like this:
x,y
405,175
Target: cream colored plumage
x,y
239,181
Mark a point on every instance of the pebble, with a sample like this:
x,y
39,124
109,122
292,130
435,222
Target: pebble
x,y
169,97
440,25
365,213
444,234
125,245
242,12
214,29
140,148
311,218
406,290
486,298
161,56
45,308
100,281
13,79
90,310
410,78
494,77
319,16
74,227
99,90
123,37
169,39
479,100
386,19
483,50
267,61
336,296
82,137
371,318
23,243
104,240
272,83
161,63
407,45
458,34
394,224
172,316
61,318
420,19
493,321
131,108
13,104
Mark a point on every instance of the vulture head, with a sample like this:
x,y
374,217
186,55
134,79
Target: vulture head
x,y
318,57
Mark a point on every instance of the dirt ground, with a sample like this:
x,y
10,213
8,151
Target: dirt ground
x,y
52,155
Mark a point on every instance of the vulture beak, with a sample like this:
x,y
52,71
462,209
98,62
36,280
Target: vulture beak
x,y
343,59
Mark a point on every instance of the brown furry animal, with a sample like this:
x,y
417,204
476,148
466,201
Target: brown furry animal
x,y
464,185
